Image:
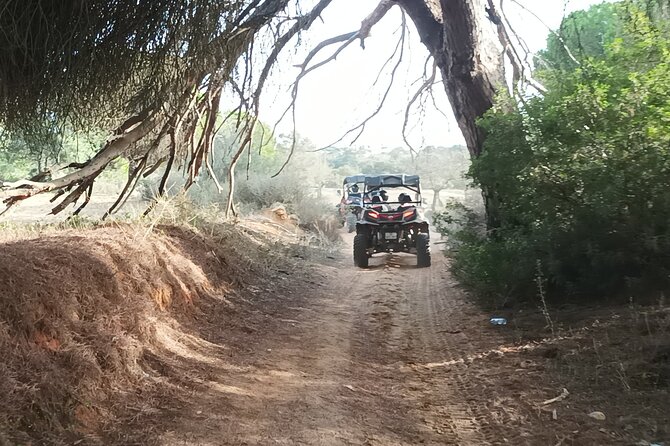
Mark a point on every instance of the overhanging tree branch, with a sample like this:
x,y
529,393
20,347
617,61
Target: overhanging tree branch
x,y
345,39
425,86
167,122
302,23
360,128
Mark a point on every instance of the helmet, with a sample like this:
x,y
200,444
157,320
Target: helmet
x,y
354,188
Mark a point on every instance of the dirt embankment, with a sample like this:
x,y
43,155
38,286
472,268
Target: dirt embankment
x,y
87,319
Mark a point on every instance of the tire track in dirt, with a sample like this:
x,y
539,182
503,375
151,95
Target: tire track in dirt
x,y
422,302
437,308
454,339
373,356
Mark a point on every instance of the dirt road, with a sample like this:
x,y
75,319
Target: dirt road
x,y
122,337
390,355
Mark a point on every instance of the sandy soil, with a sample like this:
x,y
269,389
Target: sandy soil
x,y
391,355
361,357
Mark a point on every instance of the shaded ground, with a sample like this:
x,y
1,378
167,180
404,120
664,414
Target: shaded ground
x,y
395,355
322,353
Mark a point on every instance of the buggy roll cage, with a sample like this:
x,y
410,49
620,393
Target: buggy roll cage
x,y
378,182
348,183
354,179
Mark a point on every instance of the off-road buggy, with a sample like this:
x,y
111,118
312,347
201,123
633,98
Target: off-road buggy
x,y
351,203
392,226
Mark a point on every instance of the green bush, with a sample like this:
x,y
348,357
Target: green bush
x,y
263,192
582,176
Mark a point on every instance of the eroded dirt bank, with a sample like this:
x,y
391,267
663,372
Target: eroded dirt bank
x,y
320,353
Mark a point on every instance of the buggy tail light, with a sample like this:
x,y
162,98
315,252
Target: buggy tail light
x,y
408,213
373,215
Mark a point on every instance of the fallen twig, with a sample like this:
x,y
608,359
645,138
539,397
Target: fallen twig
x,y
560,397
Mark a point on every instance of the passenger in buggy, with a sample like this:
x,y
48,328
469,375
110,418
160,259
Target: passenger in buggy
x,y
378,205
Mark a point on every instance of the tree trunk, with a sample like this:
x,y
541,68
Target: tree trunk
x,y
465,46
436,199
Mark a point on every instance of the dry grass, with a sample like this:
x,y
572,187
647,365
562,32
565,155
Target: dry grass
x,y
10,231
613,359
85,306
74,318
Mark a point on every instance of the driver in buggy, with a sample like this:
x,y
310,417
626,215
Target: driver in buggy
x,y
354,192
353,196
405,201
378,205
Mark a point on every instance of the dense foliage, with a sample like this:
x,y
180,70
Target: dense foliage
x,y
89,61
583,173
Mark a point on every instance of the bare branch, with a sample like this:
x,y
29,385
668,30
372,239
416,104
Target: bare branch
x,y
522,43
292,151
129,187
427,85
360,128
347,38
366,26
302,23
231,168
114,148
88,194
379,12
558,36
518,68
212,174
74,196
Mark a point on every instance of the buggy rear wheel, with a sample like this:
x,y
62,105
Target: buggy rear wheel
x,y
361,251
422,250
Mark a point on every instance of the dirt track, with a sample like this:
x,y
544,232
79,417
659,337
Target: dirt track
x,y
119,336
385,356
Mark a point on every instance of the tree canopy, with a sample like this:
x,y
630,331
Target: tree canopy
x,y
151,74
582,35
582,173
87,62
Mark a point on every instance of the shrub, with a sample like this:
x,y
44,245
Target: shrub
x,y
582,176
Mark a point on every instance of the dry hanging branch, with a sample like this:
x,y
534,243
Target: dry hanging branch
x,y
169,126
345,39
302,23
360,128
519,77
558,36
425,86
